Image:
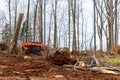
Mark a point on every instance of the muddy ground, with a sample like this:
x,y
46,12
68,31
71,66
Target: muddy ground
x,y
35,67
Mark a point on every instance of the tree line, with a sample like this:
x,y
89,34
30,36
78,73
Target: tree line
x,y
62,22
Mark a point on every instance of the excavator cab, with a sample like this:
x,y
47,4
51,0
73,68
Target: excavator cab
x,y
32,47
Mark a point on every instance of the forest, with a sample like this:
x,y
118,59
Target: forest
x,y
59,23
59,40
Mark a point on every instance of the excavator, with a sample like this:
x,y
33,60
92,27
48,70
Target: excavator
x,y
32,47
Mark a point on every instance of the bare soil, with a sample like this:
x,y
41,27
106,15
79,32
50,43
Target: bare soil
x,y
35,67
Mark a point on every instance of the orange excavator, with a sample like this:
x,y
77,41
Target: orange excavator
x,y
32,47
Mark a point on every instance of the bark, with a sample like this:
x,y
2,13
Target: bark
x,y
82,45
55,25
40,24
14,41
116,19
94,26
78,34
16,2
27,23
99,12
69,23
35,15
44,21
50,25
50,29
9,21
111,23
74,27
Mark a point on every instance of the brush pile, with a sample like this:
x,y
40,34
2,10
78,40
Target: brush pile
x,y
62,56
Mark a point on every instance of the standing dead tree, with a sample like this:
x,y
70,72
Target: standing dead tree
x,y
14,41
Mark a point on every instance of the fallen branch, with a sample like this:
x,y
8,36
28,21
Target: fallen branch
x,y
107,70
96,61
75,67
104,70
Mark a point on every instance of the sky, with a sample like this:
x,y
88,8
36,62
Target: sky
x,y
2,5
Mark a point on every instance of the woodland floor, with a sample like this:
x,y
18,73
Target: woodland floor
x,y
38,68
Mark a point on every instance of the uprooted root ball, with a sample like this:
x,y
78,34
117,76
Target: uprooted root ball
x,y
61,58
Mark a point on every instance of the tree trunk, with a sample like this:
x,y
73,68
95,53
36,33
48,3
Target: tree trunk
x,y
82,45
78,31
44,21
55,25
15,14
116,19
69,23
9,21
94,26
14,41
40,24
27,23
74,27
35,15
111,23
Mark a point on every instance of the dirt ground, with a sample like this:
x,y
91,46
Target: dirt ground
x,y
35,67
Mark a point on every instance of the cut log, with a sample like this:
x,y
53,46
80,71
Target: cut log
x,y
104,70
13,45
75,67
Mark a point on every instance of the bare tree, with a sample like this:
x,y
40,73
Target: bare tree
x,y
82,44
40,22
69,23
78,30
94,3
116,22
50,23
55,24
35,15
44,21
110,21
27,22
15,11
9,10
99,13
74,26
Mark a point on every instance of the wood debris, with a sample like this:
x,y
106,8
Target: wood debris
x,y
95,66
